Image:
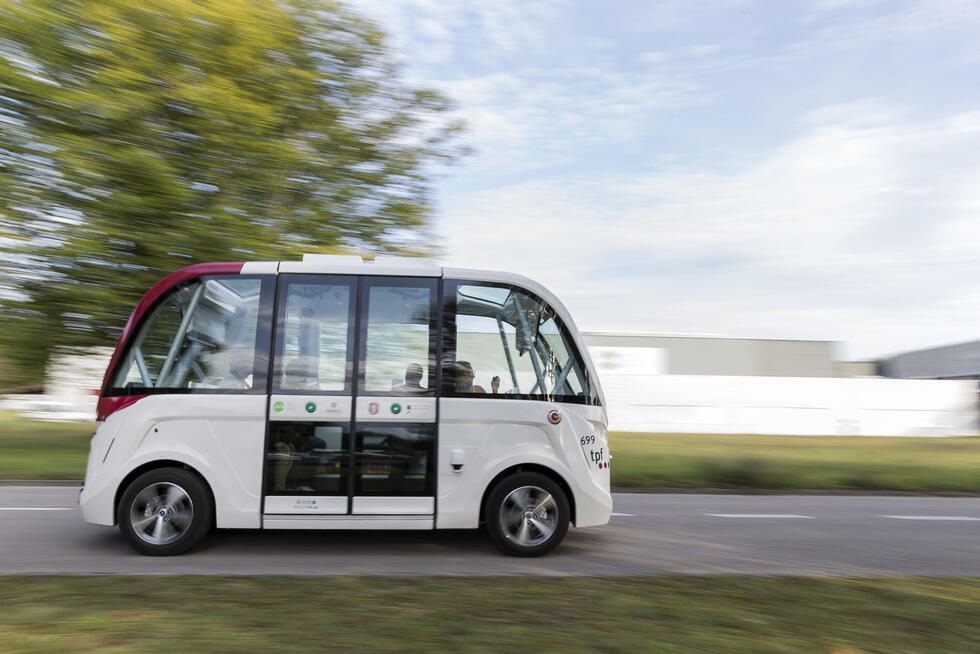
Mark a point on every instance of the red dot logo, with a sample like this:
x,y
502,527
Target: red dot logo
x,y
554,416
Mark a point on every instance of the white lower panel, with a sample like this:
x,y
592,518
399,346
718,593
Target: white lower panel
x,y
305,505
394,505
348,522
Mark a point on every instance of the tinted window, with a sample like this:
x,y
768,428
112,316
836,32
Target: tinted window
x,y
209,334
314,342
397,331
394,460
503,341
305,458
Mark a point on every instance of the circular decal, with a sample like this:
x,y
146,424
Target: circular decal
x,y
373,408
278,407
396,408
554,416
310,407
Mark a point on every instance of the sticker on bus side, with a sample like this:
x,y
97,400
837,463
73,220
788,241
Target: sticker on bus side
x,y
595,456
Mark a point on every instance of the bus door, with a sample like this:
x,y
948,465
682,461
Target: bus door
x,y
352,423
395,407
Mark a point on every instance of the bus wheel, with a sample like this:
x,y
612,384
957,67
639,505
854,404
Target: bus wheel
x,y
165,512
527,514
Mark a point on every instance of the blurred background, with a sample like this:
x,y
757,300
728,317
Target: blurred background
x,y
136,139
762,215
722,193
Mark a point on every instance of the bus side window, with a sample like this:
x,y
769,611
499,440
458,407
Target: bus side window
x,y
398,332
504,341
314,336
202,337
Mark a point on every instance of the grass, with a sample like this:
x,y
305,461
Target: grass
x,y
795,462
40,450
480,614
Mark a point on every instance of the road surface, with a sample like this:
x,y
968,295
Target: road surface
x,y
41,531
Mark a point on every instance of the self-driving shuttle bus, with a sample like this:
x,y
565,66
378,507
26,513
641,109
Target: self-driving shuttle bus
x,y
336,393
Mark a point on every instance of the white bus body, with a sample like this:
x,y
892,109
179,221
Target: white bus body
x,y
335,393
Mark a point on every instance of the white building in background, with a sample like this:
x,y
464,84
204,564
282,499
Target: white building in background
x,y
71,388
717,355
690,384
75,378
957,361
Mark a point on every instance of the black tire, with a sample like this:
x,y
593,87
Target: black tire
x,y
165,512
507,514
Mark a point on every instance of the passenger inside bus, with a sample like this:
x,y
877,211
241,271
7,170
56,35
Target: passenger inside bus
x,y
464,379
413,379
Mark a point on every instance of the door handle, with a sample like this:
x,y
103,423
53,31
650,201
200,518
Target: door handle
x,y
456,460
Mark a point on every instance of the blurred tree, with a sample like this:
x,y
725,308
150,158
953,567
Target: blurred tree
x,y
136,138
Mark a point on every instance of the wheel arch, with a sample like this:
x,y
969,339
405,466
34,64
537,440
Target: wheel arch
x,y
528,467
156,465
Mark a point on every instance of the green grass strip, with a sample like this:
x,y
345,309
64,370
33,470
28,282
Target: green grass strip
x,y
479,614
746,461
32,449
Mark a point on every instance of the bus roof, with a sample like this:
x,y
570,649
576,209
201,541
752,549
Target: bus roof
x,y
344,264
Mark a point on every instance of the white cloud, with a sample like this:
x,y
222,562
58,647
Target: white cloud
x,y
895,22
704,49
855,220
501,25
654,57
548,117
841,233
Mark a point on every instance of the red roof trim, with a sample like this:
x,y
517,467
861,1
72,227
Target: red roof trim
x,y
109,405
154,294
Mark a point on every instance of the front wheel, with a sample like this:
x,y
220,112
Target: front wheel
x,y
527,514
165,512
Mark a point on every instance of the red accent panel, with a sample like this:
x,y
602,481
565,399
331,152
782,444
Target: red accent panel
x,y
109,405
161,287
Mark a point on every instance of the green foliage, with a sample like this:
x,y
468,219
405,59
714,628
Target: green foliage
x,y
13,376
137,138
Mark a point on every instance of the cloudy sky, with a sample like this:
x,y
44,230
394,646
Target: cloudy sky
x,y
752,169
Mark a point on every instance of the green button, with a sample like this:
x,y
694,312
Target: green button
x,y
278,406
310,407
396,408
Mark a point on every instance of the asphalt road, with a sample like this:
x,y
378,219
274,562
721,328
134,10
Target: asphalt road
x,y
41,531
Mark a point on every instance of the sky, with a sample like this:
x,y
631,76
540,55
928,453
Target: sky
x,y
798,170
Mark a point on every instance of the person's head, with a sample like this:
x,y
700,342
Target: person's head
x,y
413,375
464,373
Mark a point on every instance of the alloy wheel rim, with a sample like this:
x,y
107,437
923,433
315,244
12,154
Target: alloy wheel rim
x,y
528,516
161,513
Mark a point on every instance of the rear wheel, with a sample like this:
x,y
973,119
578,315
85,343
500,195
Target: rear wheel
x,y
527,514
165,512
